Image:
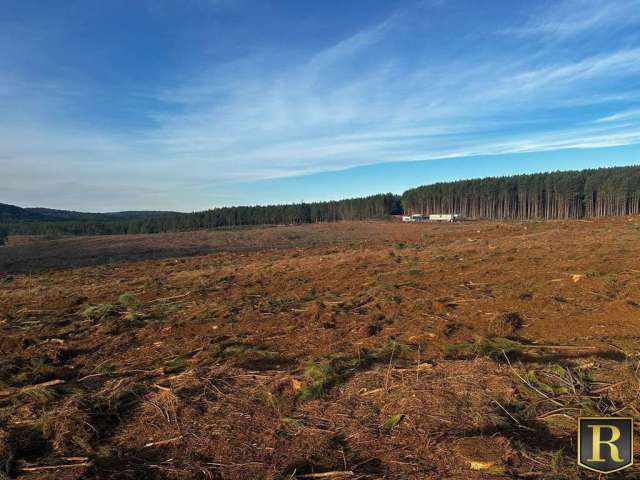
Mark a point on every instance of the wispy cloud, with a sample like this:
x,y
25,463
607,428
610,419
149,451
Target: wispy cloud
x,y
633,114
571,17
299,121
359,101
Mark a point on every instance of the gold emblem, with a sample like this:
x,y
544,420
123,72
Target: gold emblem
x,y
605,444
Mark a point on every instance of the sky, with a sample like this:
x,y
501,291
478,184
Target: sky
x,y
192,104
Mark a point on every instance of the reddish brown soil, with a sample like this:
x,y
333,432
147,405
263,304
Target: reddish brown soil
x,y
362,349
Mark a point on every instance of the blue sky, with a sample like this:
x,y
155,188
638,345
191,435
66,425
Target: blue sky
x,y
190,104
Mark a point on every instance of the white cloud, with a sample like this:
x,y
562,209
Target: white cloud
x,y
571,17
616,117
357,102
298,120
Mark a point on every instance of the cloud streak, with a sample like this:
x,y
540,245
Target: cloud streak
x,y
297,122
573,17
359,101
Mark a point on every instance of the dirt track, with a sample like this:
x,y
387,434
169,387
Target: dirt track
x,y
372,349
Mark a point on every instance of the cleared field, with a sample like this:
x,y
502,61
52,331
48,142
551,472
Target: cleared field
x,y
366,349
32,253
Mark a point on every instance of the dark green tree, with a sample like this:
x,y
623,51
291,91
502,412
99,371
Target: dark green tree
x,y
553,195
375,206
4,234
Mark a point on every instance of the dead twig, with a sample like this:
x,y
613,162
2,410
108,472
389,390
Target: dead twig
x,y
26,310
411,287
386,380
163,442
13,392
528,384
55,467
557,411
559,347
91,376
169,298
512,417
613,385
335,473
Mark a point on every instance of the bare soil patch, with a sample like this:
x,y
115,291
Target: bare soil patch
x,y
357,350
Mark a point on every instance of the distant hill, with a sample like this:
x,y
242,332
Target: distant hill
x,y
41,221
14,214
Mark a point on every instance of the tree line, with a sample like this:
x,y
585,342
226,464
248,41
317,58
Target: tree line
x,y
375,206
554,195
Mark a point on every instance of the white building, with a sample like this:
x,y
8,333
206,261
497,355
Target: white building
x,y
434,217
444,217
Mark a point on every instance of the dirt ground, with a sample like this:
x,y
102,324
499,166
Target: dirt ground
x,y
357,350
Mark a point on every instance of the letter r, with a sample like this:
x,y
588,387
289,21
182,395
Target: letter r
x,y
597,442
